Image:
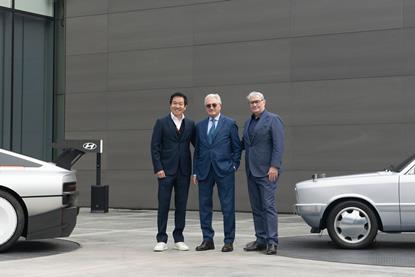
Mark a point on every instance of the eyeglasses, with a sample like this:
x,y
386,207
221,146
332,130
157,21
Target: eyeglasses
x,y
214,105
255,102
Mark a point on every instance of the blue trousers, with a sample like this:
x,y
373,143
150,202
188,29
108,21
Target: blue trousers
x,y
180,183
262,197
226,192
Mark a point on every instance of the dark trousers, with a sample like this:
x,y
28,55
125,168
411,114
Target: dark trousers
x,y
180,183
262,197
226,192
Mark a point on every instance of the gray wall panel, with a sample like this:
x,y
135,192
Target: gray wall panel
x,y
349,147
86,73
351,101
409,13
128,5
338,16
86,111
129,150
236,63
150,29
87,35
354,55
150,69
127,108
409,50
85,7
241,20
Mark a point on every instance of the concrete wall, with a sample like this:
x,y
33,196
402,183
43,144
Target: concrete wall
x,y
340,73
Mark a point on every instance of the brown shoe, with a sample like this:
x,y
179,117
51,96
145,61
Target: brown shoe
x,y
206,245
254,246
228,247
271,249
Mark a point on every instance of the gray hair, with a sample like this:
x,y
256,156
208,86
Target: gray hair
x,y
255,94
215,96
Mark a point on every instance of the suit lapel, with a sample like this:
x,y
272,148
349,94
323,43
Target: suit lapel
x,y
172,126
246,134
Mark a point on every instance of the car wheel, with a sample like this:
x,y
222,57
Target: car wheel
x,y
11,220
352,224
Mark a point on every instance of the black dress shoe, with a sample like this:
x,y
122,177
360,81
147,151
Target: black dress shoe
x,y
271,249
206,245
228,247
254,246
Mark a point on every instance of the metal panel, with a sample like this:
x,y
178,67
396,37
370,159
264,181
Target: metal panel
x,y
338,16
76,8
86,35
150,29
86,73
243,20
354,55
238,63
86,111
161,68
129,5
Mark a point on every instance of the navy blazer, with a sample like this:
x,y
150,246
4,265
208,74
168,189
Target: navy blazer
x,y
169,149
224,154
267,145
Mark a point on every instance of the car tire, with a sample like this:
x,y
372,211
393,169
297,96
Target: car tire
x,y
352,224
12,220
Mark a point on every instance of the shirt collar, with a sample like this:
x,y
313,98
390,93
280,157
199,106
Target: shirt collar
x,y
216,118
257,118
175,118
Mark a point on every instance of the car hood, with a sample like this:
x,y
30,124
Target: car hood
x,y
346,178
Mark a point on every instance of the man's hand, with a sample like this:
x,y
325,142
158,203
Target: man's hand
x,y
194,178
160,174
273,174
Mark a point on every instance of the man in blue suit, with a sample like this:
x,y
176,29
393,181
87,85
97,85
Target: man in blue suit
x,y
263,141
216,158
170,153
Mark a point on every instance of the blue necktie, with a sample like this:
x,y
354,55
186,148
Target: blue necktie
x,y
211,131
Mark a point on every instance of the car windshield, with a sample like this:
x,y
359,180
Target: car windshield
x,y
399,166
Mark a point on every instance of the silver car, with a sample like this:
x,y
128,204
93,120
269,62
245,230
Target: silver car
x,y
37,199
353,208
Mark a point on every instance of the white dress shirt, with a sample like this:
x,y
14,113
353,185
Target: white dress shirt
x,y
177,121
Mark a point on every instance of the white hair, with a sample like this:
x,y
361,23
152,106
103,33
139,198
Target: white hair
x,y
215,96
255,94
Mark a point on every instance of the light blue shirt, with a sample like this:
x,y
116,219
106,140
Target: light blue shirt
x,y
210,123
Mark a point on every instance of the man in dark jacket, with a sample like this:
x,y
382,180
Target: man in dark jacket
x,y
170,153
263,141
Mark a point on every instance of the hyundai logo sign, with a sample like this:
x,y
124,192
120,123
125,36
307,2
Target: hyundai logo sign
x,y
90,146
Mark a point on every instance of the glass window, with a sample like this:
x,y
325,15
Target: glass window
x,y
43,7
411,171
9,160
6,3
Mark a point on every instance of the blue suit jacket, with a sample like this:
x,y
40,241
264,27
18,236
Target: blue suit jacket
x,y
168,149
224,154
267,145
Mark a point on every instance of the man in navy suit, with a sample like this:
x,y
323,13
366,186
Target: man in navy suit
x,y
216,158
263,141
170,153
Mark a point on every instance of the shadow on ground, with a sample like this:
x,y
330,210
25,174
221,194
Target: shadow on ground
x,y
388,250
38,248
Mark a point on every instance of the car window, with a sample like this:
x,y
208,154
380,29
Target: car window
x,y
9,160
411,171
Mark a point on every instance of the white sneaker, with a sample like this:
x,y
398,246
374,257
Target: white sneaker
x,y
160,246
181,246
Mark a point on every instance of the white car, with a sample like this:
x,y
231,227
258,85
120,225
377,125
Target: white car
x,y
37,199
353,208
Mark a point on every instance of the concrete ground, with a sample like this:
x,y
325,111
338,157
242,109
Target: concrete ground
x,y
120,244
